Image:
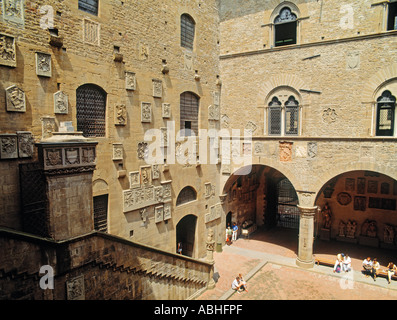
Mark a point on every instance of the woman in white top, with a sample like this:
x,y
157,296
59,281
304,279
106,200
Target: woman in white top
x,y
347,263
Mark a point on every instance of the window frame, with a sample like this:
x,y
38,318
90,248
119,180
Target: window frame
x,y
84,6
188,31
383,104
281,25
289,106
189,109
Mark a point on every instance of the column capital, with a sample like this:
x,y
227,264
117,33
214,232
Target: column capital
x,y
307,211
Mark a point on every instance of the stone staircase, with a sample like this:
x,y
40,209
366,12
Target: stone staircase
x,y
96,266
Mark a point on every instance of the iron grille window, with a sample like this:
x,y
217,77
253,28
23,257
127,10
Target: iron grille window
x,y
101,213
187,31
189,108
91,110
385,114
291,116
275,116
90,6
285,28
186,195
287,200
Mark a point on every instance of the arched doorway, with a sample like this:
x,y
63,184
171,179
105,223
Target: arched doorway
x,y
229,219
186,233
263,202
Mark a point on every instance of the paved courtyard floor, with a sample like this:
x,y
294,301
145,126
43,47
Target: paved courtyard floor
x,y
267,262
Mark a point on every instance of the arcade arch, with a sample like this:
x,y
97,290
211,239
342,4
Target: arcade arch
x,y
363,208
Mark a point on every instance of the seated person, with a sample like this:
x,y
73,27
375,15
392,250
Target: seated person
x,y
347,263
367,266
236,284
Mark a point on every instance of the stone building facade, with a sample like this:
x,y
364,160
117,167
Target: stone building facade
x,y
306,89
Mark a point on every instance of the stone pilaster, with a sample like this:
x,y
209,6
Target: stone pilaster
x,y
306,233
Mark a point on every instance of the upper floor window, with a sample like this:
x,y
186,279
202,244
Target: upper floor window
x,y
385,115
285,26
189,109
186,195
91,110
187,31
283,118
392,16
90,6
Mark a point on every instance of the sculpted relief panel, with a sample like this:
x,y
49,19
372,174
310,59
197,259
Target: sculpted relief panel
x,y
7,51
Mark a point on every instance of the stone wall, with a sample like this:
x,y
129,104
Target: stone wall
x,y
126,39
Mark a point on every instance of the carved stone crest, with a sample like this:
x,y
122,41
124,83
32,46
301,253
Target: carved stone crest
x,y
312,149
75,288
43,64
329,115
142,151
213,112
158,214
130,80
7,50
120,115
13,11
353,60
25,144
166,110
146,112
285,151
15,99
167,211
250,127
157,88
146,175
155,172
48,126
60,102
135,179
8,146
117,151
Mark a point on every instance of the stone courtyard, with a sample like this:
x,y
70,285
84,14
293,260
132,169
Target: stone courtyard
x,y
267,261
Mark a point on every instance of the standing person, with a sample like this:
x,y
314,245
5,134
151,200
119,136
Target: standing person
x,y
179,250
391,270
229,234
375,268
367,266
347,263
235,229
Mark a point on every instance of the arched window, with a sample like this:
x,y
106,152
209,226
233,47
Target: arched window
x,y
386,105
291,116
283,115
186,195
189,109
275,116
187,31
285,26
91,110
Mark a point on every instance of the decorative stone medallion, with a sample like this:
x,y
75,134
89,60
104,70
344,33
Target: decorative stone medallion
x,y
8,146
60,102
43,64
7,50
15,99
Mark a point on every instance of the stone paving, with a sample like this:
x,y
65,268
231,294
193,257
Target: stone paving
x,y
267,262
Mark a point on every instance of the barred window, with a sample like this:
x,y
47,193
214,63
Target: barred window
x,y
285,25
186,195
275,116
386,105
189,109
291,116
90,6
101,213
91,110
187,31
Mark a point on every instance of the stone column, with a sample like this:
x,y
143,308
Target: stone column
x,y
306,236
